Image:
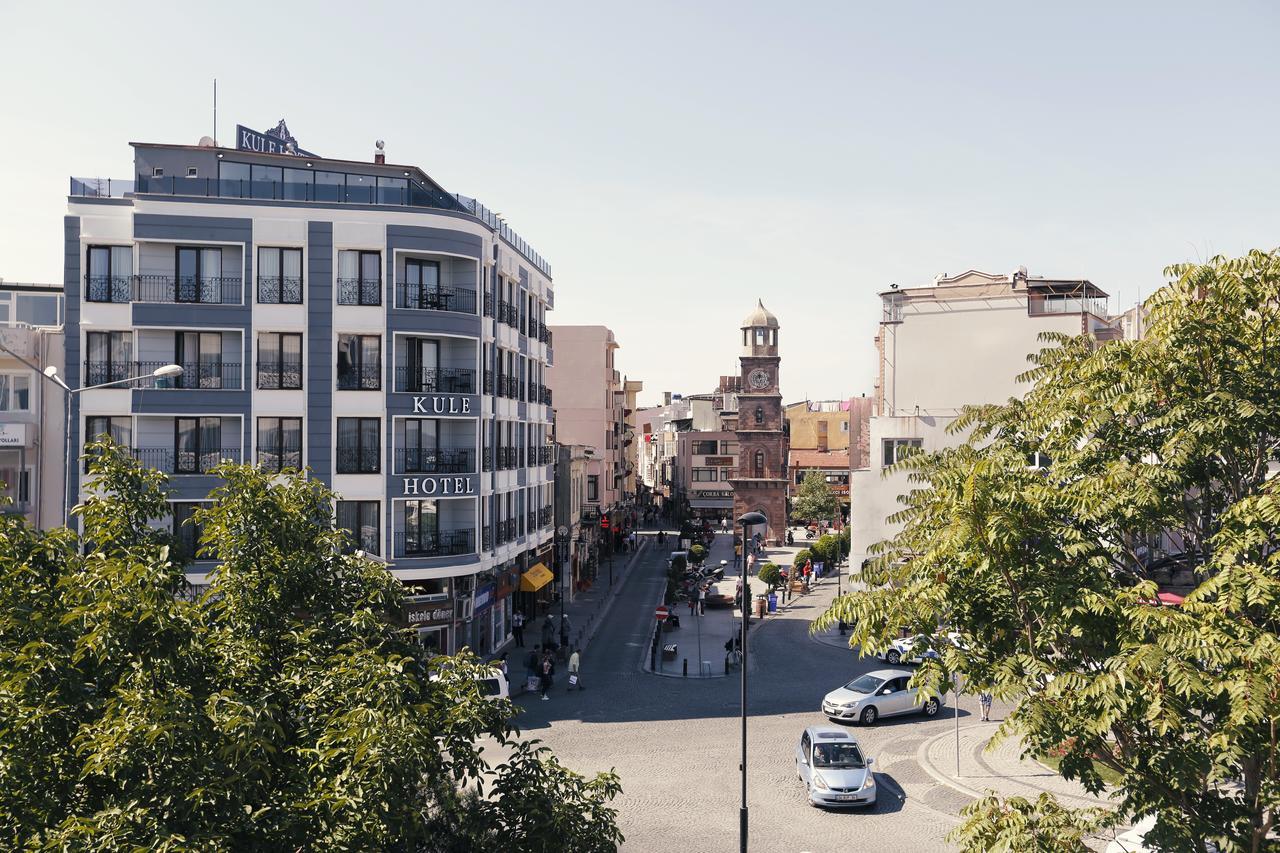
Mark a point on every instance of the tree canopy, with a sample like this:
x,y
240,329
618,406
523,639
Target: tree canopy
x,y
279,708
1043,540
815,499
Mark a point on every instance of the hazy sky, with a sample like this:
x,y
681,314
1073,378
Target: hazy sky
x,y
675,161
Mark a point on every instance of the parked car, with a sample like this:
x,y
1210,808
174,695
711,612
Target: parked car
x,y
1134,840
883,693
834,768
915,649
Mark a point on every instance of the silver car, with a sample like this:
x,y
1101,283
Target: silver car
x,y
834,769
883,693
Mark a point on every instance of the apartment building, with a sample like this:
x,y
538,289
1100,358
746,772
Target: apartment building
x,y
349,318
819,433
963,340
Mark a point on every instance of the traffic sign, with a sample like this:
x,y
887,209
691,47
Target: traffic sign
x,y
661,613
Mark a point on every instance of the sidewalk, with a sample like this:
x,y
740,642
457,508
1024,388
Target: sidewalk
x,y
702,637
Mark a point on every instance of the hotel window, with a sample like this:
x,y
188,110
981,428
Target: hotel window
x,y
421,527
280,360
197,445
200,354
280,443
110,274
15,392
359,278
897,449
421,287
359,445
110,357
118,429
704,448
186,532
705,475
593,488
198,276
360,520
279,276
359,363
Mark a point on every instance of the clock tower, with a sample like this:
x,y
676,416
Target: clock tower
x,y
761,481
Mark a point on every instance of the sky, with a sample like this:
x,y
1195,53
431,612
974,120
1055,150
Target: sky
x,y
677,161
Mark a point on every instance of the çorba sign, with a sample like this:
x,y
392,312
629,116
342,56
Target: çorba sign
x,y
277,140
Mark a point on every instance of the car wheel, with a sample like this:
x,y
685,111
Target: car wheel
x,y
894,657
869,715
931,707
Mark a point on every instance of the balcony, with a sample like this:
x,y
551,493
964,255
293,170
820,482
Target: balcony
x,y
511,386
488,381
532,455
488,305
279,375
358,460
544,516
506,531
546,455
108,288
419,298
533,329
171,461
508,458
508,314
411,460
359,291
274,290
436,380
544,335
275,457
531,520
546,396
486,459
364,377
205,375
220,290
488,539
444,543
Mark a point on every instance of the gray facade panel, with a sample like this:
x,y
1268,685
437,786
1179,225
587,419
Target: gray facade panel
x,y
182,401
71,283
427,322
319,346
459,560
419,238
160,226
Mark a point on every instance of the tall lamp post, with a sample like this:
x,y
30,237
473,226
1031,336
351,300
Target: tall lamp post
x,y
746,520
51,373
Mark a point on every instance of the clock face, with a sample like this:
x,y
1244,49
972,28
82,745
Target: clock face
x,y
759,378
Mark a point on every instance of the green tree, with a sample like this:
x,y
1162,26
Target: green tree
x,y
281,708
1041,572
697,554
770,574
815,500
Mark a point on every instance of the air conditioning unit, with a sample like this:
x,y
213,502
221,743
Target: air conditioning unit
x,y
466,609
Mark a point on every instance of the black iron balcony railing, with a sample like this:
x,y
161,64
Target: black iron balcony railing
x,y
520,462
413,460
544,335
101,372
359,460
359,291
275,290
488,305
532,330
531,520
546,396
544,516
439,380
443,543
488,381
513,387
487,539
171,461
108,288
435,298
364,377
203,375
506,530
532,455
274,374
276,458
545,455
508,458
508,314
486,459
210,290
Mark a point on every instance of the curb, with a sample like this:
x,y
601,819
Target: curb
x,y
612,597
922,759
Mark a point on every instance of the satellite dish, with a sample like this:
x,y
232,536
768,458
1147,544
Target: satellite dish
x,y
379,145
205,142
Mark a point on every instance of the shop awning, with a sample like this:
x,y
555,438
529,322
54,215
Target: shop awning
x,y
535,578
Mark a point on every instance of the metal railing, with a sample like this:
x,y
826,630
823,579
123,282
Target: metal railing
x,y
511,385
488,305
278,290
508,458
487,539
486,459
172,461
206,290
508,314
488,381
506,531
359,460
546,396
421,298
411,460
101,372
108,288
274,458
364,377
283,375
202,375
532,455
439,380
442,543
359,291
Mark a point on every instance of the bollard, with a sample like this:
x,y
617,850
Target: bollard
x,y
686,667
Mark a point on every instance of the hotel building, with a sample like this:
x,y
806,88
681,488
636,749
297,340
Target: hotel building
x,y
349,318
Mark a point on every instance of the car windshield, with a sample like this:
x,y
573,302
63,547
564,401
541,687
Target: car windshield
x,y
864,684
837,755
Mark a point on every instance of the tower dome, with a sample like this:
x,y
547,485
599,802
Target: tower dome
x,y
760,317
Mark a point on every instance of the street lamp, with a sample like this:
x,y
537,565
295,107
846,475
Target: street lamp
x,y
746,520
51,373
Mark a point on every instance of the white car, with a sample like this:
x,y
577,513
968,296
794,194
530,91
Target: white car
x,y
1134,840
915,649
883,693
834,769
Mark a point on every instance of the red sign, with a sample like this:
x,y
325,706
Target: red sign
x,y
661,613
604,523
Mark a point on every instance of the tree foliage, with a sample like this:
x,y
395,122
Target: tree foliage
x,y
280,708
770,574
1044,574
815,499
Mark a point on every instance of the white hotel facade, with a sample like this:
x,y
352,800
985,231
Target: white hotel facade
x,y
349,318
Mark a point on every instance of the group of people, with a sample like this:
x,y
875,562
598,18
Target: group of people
x,y
519,620
540,663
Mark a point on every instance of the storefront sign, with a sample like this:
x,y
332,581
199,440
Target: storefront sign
x,y
484,597
428,615
442,404
711,493
13,435
277,140
427,487
721,461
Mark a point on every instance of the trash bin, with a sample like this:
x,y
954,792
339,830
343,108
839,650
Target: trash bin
x,y
773,602
759,608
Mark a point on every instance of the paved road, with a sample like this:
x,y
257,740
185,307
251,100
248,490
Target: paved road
x,y
676,743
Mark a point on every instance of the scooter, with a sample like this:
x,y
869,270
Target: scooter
x,y
810,534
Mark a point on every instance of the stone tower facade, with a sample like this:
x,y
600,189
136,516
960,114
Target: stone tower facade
x,y
760,483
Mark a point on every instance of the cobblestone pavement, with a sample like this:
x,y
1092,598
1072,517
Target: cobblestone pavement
x,y
676,744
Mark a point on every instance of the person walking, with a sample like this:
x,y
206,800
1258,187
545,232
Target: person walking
x,y
517,627
502,667
575,662
548,633
565,628
532,662
545,681
984,702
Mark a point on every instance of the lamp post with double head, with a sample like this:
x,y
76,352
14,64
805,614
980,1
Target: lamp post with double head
x,y
746,520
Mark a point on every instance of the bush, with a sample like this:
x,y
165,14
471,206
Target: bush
x,y
802,555
697,554
771,575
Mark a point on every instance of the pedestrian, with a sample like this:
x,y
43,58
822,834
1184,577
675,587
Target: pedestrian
x,y
517,627
984,702
631,540
702,601
565,628
548,633
502,667
724,525
532,661
545,682
693,603
575,661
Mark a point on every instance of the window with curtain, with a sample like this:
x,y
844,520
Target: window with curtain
x,y
110,357
361,521
280,443
359,445
199,277
279,276
186,532
359,363
421,284
280,360
421,527
359,278
200,354
15,392
110,274
197,445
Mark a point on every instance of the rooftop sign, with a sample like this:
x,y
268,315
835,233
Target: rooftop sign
x,y
277,140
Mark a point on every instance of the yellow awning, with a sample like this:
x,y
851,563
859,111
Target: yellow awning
x,y
535,578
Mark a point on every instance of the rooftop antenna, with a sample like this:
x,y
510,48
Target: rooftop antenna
x,y
215,112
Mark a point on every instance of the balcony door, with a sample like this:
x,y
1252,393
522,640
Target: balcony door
x,y
422,284
421,527
200,354
424,365
197,444
421,445
198,276
110,357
